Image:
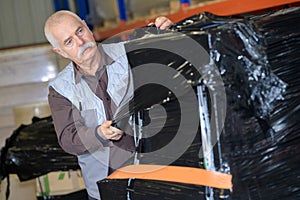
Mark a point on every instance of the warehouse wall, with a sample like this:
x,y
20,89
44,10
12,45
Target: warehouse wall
x,y
140,8
22,21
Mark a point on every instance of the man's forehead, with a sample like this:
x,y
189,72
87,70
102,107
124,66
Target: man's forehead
x,y
65,27
69,20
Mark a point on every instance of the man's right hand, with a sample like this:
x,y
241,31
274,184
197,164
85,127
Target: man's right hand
x,y
108,132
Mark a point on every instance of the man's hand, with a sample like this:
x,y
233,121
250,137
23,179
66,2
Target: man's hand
x,y
108,132
162,23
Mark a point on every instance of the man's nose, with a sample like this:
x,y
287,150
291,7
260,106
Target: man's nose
x,y
80,40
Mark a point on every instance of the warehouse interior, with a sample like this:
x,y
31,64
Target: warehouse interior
x,y
255,46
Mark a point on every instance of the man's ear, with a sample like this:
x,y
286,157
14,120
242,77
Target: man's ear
x,y
60,52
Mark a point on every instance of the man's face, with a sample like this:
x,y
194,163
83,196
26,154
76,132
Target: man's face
x,y
76,41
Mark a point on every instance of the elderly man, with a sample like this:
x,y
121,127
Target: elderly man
x,y
85,95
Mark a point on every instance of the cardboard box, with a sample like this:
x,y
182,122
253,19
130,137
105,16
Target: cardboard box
x,y
59,183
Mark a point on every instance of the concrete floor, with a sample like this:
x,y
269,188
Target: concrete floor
x,y
24,76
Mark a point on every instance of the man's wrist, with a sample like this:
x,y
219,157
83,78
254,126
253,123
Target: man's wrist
x,y
104,141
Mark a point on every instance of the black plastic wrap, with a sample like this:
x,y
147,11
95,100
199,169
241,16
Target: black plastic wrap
x,y
258,58
265,165
33,150
150,189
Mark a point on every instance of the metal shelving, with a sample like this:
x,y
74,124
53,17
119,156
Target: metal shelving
x,y
222,8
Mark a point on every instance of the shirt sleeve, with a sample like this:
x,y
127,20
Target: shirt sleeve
x,y
73,136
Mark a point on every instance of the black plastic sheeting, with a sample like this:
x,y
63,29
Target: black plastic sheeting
x,y
150,189
258,59
33,150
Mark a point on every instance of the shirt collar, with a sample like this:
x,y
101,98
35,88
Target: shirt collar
x,y
105,60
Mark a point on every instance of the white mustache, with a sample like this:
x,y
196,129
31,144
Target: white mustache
x,y
85,47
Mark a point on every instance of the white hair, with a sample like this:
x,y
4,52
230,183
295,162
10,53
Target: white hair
x,y
55,19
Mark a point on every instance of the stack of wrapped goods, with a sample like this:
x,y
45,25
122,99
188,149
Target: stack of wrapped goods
x,y
257,59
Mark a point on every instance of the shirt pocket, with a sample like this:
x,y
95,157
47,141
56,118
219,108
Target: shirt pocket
x,y
90,117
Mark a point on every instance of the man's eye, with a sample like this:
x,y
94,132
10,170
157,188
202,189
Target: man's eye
x,y
68,43
80,31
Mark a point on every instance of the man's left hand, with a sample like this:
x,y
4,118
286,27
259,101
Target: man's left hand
x,y
163,23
